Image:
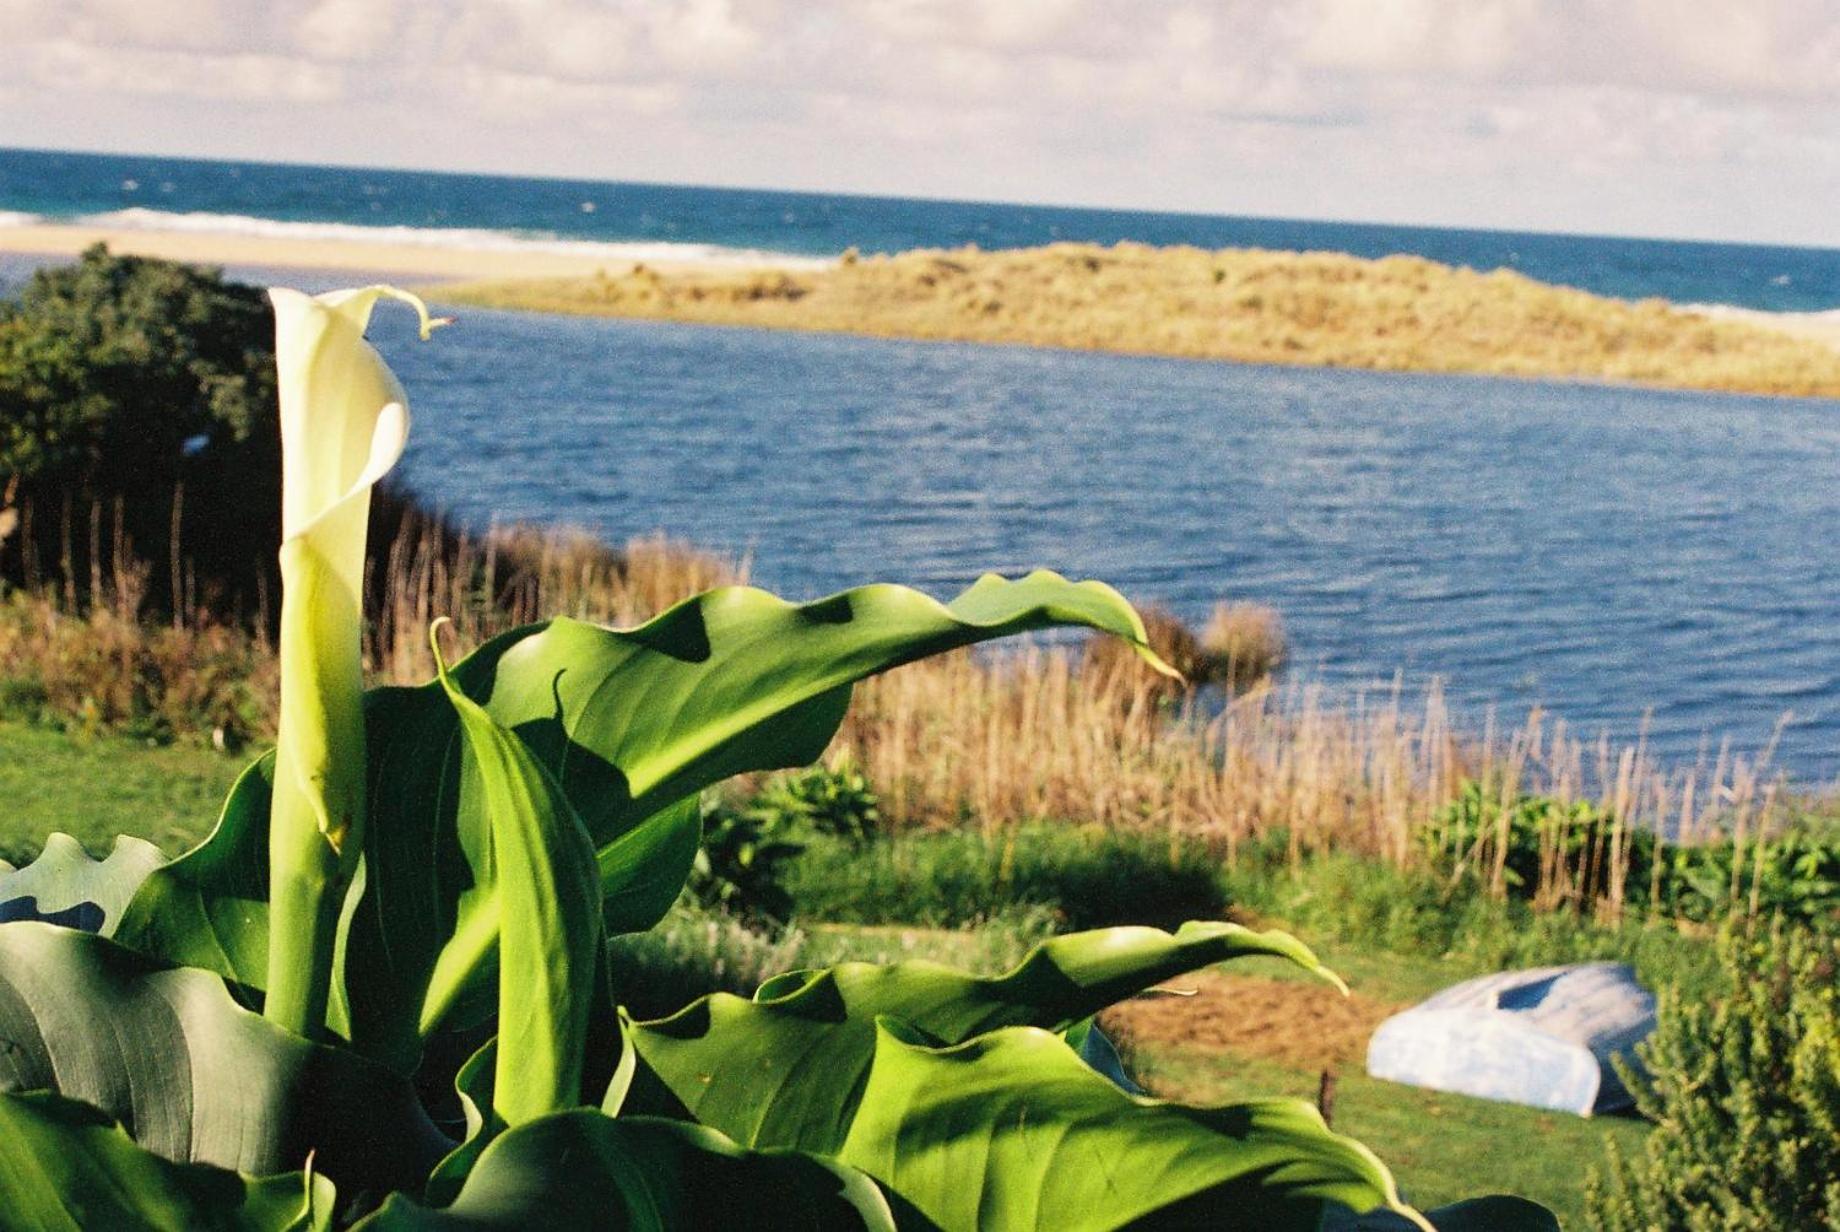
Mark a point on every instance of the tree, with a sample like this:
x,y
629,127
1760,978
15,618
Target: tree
x,y
141,392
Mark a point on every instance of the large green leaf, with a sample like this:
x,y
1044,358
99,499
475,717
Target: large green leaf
x,y
787,1069
584,1170
546,915
193,1076
65,1167
630,722
1012,1130
64,886
209,908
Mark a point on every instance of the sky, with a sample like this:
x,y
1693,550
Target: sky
x,y
1715,119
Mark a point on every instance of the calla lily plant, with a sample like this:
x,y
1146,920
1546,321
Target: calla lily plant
x,y
344,423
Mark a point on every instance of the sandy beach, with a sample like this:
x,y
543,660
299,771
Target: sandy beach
x,y
419,261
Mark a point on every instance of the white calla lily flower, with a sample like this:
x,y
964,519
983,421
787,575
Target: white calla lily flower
x,y
344,423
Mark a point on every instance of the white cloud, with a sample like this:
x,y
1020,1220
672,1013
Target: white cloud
x,y
138,71
345,30
1326,106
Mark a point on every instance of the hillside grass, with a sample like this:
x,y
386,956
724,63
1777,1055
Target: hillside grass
x,y
1399,313
1216,1047
94,788
1441,1147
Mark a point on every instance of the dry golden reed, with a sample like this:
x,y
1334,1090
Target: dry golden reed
x,y
996,740
1314,308
992,740
519,575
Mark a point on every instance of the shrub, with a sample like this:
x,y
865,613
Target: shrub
x,y
1745,1095
1573,853
1241,647
1243,644
144,391
1174,642
1088,876
831,800
1535,845
741,866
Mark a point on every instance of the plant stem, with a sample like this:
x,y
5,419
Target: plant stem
x,y
307,882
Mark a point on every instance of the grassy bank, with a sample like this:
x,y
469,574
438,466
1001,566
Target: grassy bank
x,y
1220,1044
1319,309
94,788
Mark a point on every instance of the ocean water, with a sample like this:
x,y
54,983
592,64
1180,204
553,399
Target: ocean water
x,y
649,221
1629,559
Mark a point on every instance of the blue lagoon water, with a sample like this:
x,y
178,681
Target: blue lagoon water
x,y
1619,556
1603,551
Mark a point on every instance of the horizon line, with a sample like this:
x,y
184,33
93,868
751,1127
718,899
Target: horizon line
x,y
941,199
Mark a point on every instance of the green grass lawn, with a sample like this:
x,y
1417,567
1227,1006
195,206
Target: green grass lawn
x,y
1442,1147
94,789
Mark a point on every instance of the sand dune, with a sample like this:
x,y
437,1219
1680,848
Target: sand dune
x,y
1322,309
1328,309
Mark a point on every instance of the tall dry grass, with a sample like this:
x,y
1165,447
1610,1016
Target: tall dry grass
x,y
517,575
84,647
994,741
987,740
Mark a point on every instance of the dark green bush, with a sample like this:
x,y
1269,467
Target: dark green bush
x,y
742,866
836,801
121,379
1089,876
137,398
1744,1091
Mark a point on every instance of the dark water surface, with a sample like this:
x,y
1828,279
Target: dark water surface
x,y
1603,551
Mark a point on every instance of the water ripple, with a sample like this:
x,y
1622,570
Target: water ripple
x,y
1605,552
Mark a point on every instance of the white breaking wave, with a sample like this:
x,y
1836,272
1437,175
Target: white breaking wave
x,y
1821,325
475,239
1822,316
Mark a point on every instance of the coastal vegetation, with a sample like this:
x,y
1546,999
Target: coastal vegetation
x,y
1395,936
1060,734
968,807
1744,1091
379,992
139,403
1399,313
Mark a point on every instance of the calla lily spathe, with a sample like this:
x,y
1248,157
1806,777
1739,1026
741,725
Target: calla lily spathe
x,y
344,423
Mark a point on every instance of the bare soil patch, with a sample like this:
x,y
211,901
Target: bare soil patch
x,y
1304,1025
